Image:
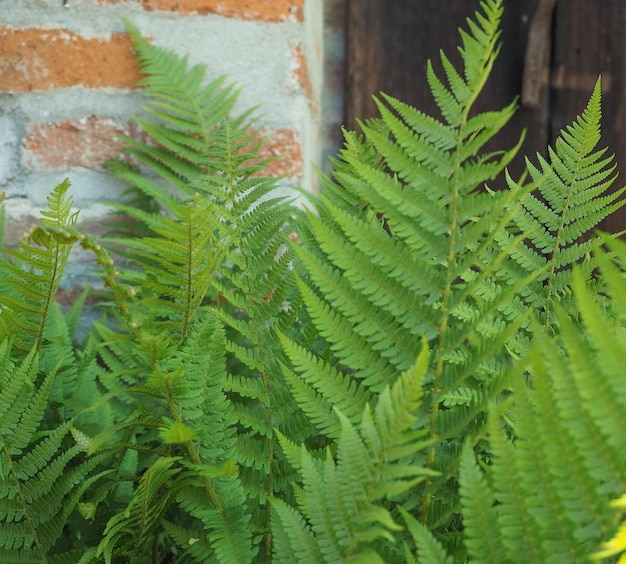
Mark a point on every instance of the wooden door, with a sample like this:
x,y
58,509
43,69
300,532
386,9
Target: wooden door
x,y
388,43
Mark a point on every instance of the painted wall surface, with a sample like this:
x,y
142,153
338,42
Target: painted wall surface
x,y
68,87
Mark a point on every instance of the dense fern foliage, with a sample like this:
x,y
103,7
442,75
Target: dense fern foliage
x,y
416,369
43,472
408,242
240,261
546,498
571,198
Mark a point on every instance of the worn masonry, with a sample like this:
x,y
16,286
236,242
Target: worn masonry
x,y
68,88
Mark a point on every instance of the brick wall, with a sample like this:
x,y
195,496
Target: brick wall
x,y
68,86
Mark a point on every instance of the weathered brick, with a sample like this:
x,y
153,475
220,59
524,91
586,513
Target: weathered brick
x,y
38,59
286,143
301,71
261,10
86,143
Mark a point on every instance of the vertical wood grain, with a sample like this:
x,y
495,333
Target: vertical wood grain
x,y
389,42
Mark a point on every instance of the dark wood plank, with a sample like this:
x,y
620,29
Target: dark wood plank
x,y
389,42
388,45
589,40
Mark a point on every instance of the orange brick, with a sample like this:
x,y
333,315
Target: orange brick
x,y
81,143
302,71
37,59
262,10
89,142
285,145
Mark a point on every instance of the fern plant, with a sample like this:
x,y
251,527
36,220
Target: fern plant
x,y
43,471
407,242
353,383
546,498
232,254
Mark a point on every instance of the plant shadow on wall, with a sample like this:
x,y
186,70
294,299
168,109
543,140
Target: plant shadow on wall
x,y
416,368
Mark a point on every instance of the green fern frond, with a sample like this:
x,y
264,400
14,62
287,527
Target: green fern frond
x,y
552,489
340,499
178,263
604,396
258,298
186,111
429,549
41,478
197,147
482,536
518,529
376,294
180,404
557,509
227,529
333,325
218,499
130,534
332,388
407,241
572,200
617,545
31,279
294,541
170,395
396,252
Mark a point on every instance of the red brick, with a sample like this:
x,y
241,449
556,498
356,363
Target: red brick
x,y
37,59
89,142
302,71
285,143
85,143
261,10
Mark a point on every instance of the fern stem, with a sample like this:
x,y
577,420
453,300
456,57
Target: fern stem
x,y
443,326
190,274
451,275
49,296
557,241
191,229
